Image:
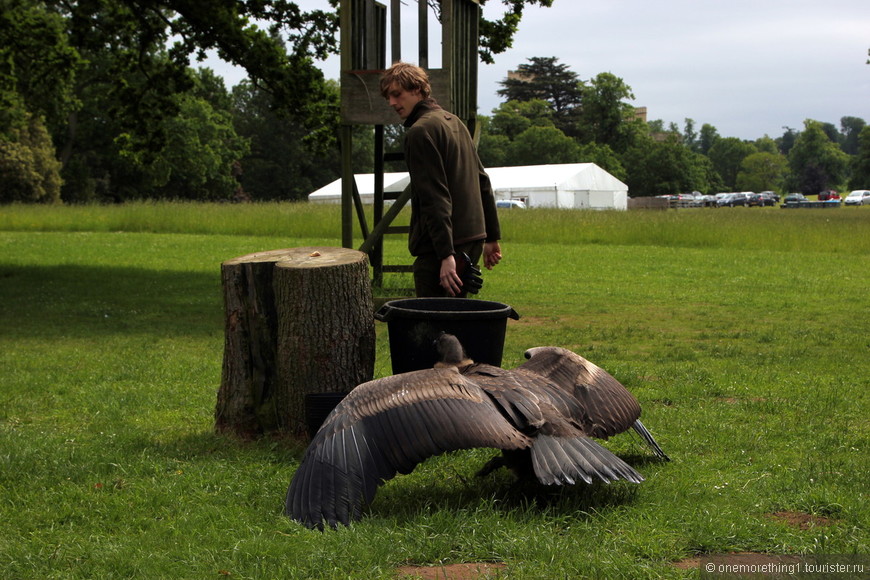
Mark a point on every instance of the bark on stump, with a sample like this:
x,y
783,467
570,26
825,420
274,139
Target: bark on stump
x,y
297,321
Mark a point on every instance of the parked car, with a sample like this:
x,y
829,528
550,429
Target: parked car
x,y
772,194
795,198
858,197
708,201
731,199
760,200
510,203
693,199
828,195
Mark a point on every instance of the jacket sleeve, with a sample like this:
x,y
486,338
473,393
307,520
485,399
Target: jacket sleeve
x,y
490,214
431,188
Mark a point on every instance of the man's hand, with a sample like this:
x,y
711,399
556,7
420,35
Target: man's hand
x,y
491,254
449,278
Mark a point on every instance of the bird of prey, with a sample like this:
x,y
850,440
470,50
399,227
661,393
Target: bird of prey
x,y
542,415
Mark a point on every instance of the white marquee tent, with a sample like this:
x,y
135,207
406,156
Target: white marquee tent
x,y
365,183
569,185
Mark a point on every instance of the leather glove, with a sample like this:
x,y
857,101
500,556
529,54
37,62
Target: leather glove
x,y
472,281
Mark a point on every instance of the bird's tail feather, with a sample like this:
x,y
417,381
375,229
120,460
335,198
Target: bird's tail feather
x,y
647,436
564,460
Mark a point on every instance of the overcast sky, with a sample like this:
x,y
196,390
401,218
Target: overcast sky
x,y
747,67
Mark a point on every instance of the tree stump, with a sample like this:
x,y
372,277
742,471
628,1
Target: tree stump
x,y
297,321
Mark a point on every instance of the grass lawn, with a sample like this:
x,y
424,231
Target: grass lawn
x,y
744,333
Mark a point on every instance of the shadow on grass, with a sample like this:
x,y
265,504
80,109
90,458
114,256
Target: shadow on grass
x,y
404,500
83,301
205,446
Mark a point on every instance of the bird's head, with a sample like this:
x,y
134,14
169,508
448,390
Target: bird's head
x,y
450,352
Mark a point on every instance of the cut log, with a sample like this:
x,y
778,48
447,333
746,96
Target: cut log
x,y
297,321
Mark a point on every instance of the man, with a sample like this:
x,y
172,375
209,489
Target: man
x,y
452,205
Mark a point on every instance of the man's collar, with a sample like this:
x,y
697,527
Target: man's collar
x,y
419,109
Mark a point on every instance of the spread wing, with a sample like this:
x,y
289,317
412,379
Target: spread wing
x,y
388,426
607,407
561,451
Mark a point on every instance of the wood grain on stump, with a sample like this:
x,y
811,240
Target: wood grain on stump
x,y
297,321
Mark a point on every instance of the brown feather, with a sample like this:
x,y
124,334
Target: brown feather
x,y
540,414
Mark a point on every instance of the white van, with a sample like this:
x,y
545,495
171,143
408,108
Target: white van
x,y
510,203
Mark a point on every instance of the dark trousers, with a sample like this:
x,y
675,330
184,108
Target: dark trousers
x,y
427,270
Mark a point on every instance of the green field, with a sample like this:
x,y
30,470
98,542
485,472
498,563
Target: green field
x,y
744,333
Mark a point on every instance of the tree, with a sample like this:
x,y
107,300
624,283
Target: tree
x,y
656,126
37,71
707,138
831,131
492,147
280,166
496,36
547,80
542,145
28,169
763,171
137,74
279,60
816,162
861,162
690,136
604,157
727,154
513,117
666,167
766,145
198,156
605,116
37,64
850,129
786,142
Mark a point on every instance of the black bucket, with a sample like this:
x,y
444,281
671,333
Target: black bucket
x,y
318,406
415,323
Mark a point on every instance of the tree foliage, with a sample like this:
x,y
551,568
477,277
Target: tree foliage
x,y
198,156
514,117
606,117
101,94
707,137
29,171
545,79
816,162
496,36
860,178
539,145
664,167
37,64
279,166
762,171
727,155
851,128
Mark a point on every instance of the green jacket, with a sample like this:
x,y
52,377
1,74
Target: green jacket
x,y
452,201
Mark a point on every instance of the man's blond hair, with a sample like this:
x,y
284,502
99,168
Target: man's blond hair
x,y
408,76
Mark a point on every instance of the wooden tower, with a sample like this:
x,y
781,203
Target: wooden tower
x,y
363,59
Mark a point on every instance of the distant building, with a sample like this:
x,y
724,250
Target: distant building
x,y
566,185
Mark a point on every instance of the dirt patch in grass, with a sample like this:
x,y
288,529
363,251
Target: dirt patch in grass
x,y
465,571
688,563
801,520
740,558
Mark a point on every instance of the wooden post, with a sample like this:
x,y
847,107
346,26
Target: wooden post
x,y
297,321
